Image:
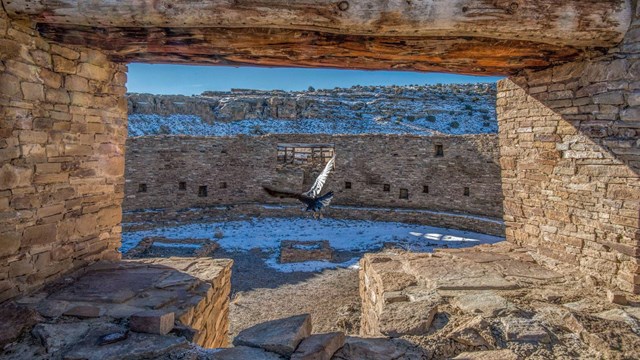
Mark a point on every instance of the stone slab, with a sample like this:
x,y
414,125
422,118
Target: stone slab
x,y
368,348
526,330
523,269
408,318
281,336
504,354
15,320
319,346
445,274
485,303
243,353
115,286
84,311
55,337
135,346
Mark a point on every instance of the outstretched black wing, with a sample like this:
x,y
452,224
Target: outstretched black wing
x,y
283,194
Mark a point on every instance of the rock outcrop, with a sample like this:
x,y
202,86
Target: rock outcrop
x,y
415,109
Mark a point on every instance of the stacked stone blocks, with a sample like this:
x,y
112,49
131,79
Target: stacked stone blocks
x,y
570,161
62,134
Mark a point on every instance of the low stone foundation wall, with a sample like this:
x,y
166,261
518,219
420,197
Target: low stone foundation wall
x,y
135,220
144,307
209,317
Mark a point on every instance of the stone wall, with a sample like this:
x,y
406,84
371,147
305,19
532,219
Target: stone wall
x,y
62,134
235,168
570,160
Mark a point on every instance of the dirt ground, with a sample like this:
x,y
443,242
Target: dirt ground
x,y
259,293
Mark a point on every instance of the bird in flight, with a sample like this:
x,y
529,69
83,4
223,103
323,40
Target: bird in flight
x,y
311,198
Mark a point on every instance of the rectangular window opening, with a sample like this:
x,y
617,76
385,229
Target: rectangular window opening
x,y
202,191
404,194
305,154
347,184
439,150
142,188
182,185
466,191
386,187
223,185
425,189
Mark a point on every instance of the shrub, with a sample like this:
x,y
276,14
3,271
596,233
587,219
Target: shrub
x,y
468,107
431,118
454,125
218,234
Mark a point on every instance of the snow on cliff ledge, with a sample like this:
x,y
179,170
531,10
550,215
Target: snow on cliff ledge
x,y
417,110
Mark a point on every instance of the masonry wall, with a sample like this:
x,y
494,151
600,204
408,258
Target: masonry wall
x,y
62,134
570,160
367,162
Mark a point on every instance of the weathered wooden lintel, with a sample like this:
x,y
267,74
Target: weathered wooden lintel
x,y
296,48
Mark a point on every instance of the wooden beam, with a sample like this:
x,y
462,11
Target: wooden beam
x,y
575,23
301,48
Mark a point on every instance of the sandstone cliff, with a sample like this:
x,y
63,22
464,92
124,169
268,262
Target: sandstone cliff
x,y
424,110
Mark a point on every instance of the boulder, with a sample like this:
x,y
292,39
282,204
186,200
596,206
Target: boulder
x,y
319,347
280,336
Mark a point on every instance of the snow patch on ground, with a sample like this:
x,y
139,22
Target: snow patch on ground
x,y
343,235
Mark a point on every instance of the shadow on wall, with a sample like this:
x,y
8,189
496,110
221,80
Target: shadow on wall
x,y
570,159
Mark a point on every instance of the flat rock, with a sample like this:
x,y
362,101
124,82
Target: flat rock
x,y
280,336
475,332
136,346
459,274
505,354
480,256
520,329
620,315
528,270
243,353
368,349
15,320
319,346
114,286
408,318
55,337
485,303
84,311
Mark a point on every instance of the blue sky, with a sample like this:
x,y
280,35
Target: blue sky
x,y
189,80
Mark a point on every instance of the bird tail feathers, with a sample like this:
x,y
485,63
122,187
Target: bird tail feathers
x,y
325,199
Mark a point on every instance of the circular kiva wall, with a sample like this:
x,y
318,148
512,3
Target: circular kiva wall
x,y
451,181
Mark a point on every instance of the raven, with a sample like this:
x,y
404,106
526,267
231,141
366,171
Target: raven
x,y
311,198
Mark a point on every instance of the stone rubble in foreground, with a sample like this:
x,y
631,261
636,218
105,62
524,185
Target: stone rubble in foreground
x,y
487,302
